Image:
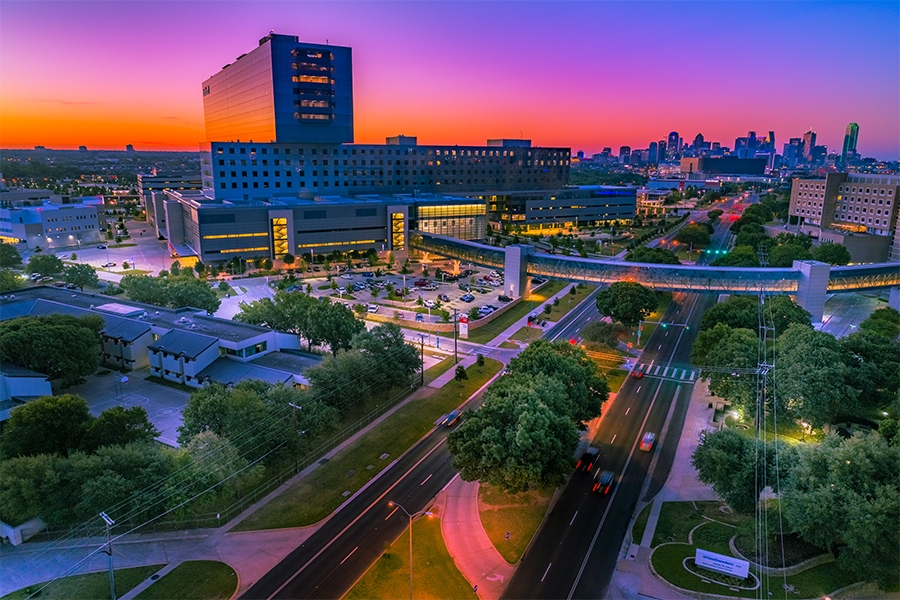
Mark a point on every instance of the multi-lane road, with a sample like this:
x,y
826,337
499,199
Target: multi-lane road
x,y
575,550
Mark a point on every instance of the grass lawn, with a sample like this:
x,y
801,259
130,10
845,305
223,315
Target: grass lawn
x,y
615,378
676,519
527,334
90,586
568,302
132,272
434,574
485,333
194,579
318,494
345,297
518,514
714,537
640,524
435,371
509,345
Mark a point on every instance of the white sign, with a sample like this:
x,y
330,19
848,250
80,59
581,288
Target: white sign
x,y
464,327
722,563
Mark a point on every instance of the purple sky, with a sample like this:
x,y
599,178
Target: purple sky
x,y
583,75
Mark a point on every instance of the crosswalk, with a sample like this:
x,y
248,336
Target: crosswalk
x,y
663,372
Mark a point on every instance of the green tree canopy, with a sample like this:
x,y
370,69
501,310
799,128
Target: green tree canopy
x,y
59,346
735,351
516,441
119,426
145,289
586,390
884,322
10,280
873,367
811,377
45,264
714,214
627,302
695,234
9,256
662,256
844,496
743,312
785,255
192,292
831,253
740,256
48,425
81,275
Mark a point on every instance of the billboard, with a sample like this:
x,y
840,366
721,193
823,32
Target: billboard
x,y
721,563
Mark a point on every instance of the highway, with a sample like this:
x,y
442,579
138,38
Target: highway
x,y
575,551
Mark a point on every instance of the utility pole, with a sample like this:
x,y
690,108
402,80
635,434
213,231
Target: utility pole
x,y
422,357
455,354
112,577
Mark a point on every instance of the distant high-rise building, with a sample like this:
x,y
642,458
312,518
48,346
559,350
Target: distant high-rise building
x,y
661,150
848,151
129,148
282,91
809,142
625,155
653,153
674,148
698,142
793,152
770,142
82,148
580,154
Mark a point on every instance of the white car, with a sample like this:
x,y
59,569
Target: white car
x,y
429,304
346,276
373,308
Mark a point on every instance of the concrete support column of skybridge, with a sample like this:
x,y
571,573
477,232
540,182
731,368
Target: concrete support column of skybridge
x,y
515,273
894,298
812,286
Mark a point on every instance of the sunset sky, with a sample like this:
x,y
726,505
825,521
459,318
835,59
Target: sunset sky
x,y
583,75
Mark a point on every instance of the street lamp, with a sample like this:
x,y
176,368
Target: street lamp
x,y
412,516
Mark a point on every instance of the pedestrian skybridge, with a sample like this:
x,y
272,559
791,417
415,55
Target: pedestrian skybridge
x,y
809,280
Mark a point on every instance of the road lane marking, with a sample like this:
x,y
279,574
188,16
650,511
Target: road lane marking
x,y
627,409
639,389
426,479
659,347
656,370
683,375
573,519
392,513
614,438
692,375
545,573
349,555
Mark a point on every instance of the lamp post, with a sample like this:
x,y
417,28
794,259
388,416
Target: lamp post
x,y
412,516
422,356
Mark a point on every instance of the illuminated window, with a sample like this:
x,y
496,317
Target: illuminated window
x,y
398,231
280,237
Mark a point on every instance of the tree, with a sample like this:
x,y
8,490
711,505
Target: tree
x,y
784,256
811,378
479,359
743,312
693,234
734,466
59,346
516,441
81,275
9,280
884,322
474,315
334,325
118,426
391,361
343,379
45,264
662,256
9,256
175,269
740,256
843,496
200,268
586,390
737,349
145,289
461,374
601,332
48,425
873,367
288,258
714,214
627,302
192,292
831,253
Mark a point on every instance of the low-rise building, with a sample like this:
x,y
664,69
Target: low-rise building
x,y
18,385
42,219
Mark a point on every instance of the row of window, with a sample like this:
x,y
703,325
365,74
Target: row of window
x,y
526,164
407,151
290,184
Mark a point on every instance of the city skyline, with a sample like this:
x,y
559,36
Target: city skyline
x,y
451,76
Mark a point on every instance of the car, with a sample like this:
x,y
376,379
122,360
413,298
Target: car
x,y
368,274
102,247
346,276
420,317
467,298
451,418
465,287
35,276
504,298
109,264
317,269
373,308
444,297
59,284
71,286
603,482
482,290
485,310
586,462
637,373
346,305
430,304
647,441
421,282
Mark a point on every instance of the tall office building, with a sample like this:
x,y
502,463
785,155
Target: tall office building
x,y
661,150
653,153
282,91
770,142
625,155
673,145
809,143
849,149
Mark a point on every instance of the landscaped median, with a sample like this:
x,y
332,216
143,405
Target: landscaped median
x,y
323,490
683,527
87,587
510,520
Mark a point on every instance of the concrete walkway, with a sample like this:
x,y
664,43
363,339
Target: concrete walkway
x,y
632,577
468,544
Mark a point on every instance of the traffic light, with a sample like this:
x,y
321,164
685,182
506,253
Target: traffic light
x,y
665,325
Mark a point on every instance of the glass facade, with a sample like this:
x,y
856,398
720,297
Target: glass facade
x,y
462,221
398,231
280,245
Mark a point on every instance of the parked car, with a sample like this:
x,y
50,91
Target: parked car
x,y
59,284
504,298
102,247
603,482
586,462
647,441
373,308
429,304
444,297
465,287
421,282
467,298
35,276
346,276
368,274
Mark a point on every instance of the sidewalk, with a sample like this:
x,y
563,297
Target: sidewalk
x,y
468,544
632,577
